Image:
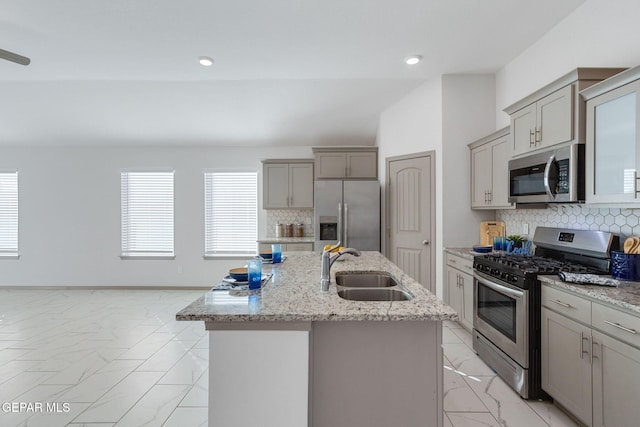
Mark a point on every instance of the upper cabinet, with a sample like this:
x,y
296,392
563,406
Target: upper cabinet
x,y
554,114
346,162
489,171
613,139
287,184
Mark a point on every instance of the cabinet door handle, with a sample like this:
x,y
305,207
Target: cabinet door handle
x,y
582,350
490,196
635,184
593,355
619,326
532,141
538,133
564,304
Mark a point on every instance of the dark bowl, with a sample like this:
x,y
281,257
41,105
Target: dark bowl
x,y
266,255
483,249
240,274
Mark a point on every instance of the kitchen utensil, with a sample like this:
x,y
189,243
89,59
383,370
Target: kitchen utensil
x,y
632,245
490,229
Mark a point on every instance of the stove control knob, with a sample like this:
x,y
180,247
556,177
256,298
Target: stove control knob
x,y
514,279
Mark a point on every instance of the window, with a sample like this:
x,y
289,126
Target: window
x,y
147,214
8,214
230,213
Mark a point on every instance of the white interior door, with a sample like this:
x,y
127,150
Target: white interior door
x,y
410,216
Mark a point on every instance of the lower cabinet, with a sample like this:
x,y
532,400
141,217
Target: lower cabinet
x,y
459,289
616,382
588,364
566,368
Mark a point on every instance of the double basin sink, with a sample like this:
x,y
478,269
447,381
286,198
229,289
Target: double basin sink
x,y
369,286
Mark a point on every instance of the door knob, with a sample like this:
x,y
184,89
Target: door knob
x,y
425,242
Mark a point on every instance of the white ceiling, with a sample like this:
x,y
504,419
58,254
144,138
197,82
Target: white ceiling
x,y
287,72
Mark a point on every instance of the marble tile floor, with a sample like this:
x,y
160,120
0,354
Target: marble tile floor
x,y
116,358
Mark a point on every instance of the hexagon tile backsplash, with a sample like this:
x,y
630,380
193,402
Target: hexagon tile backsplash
x,y
625,222
289,216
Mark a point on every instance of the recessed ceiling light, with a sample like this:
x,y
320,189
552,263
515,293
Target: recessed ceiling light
x,y
206,61
413,59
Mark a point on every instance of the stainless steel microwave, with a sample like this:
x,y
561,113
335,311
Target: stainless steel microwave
x,y
554,176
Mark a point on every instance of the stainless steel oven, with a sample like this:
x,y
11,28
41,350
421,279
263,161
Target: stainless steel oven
x,y
502,315
501,322
506,311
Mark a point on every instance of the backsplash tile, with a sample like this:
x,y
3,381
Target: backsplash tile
x,y
625,222
289,216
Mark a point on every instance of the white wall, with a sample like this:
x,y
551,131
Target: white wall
x,y
443,115
600,33
70,214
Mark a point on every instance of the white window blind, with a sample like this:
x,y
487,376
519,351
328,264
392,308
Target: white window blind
x,y
231,213
147,213
8,213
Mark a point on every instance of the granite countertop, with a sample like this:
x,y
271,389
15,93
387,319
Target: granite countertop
x,y
293,295
626,296
306,239
467,253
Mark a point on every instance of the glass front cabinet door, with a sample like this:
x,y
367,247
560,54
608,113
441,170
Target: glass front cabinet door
x,y
612,138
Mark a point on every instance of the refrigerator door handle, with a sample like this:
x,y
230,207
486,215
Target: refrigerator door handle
x,y
340,222
346,225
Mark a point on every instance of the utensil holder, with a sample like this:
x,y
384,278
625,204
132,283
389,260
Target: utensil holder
x,y
625,266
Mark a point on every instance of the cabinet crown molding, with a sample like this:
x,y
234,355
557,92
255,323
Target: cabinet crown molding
x,y
266,161
579,74
611,83
492,136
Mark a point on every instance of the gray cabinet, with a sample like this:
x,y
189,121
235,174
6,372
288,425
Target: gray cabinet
x,y
489,171
555,114
566,368
591,358
459,289
346,163
613,139
287,185
616,382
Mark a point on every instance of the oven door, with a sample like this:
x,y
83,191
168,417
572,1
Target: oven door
x,y
501,314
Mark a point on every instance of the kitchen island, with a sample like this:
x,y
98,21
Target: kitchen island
x,y
290,355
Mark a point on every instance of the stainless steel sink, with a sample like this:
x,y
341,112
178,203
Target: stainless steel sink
x,y
365,280
374,294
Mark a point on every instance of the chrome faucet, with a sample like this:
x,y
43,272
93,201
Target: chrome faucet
x,y
328,259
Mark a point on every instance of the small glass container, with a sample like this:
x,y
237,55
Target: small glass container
x,y
288,230
279,230
299,230
254,268
276,253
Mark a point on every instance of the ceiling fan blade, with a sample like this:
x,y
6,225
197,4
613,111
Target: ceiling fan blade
x,y
14,57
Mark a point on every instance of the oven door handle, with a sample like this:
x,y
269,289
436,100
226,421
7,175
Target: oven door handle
x,y
499,288
547,170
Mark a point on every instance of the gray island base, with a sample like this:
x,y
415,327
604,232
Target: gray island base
x,y
289,355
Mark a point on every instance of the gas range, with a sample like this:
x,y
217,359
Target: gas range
x,y
521,270
506,299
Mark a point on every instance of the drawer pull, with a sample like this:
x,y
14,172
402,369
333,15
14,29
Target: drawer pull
x,y
631,331
564,304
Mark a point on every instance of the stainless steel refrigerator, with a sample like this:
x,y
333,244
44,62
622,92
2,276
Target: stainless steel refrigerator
x,y
348,211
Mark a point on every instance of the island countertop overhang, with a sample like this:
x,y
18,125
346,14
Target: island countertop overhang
x,y
293,295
